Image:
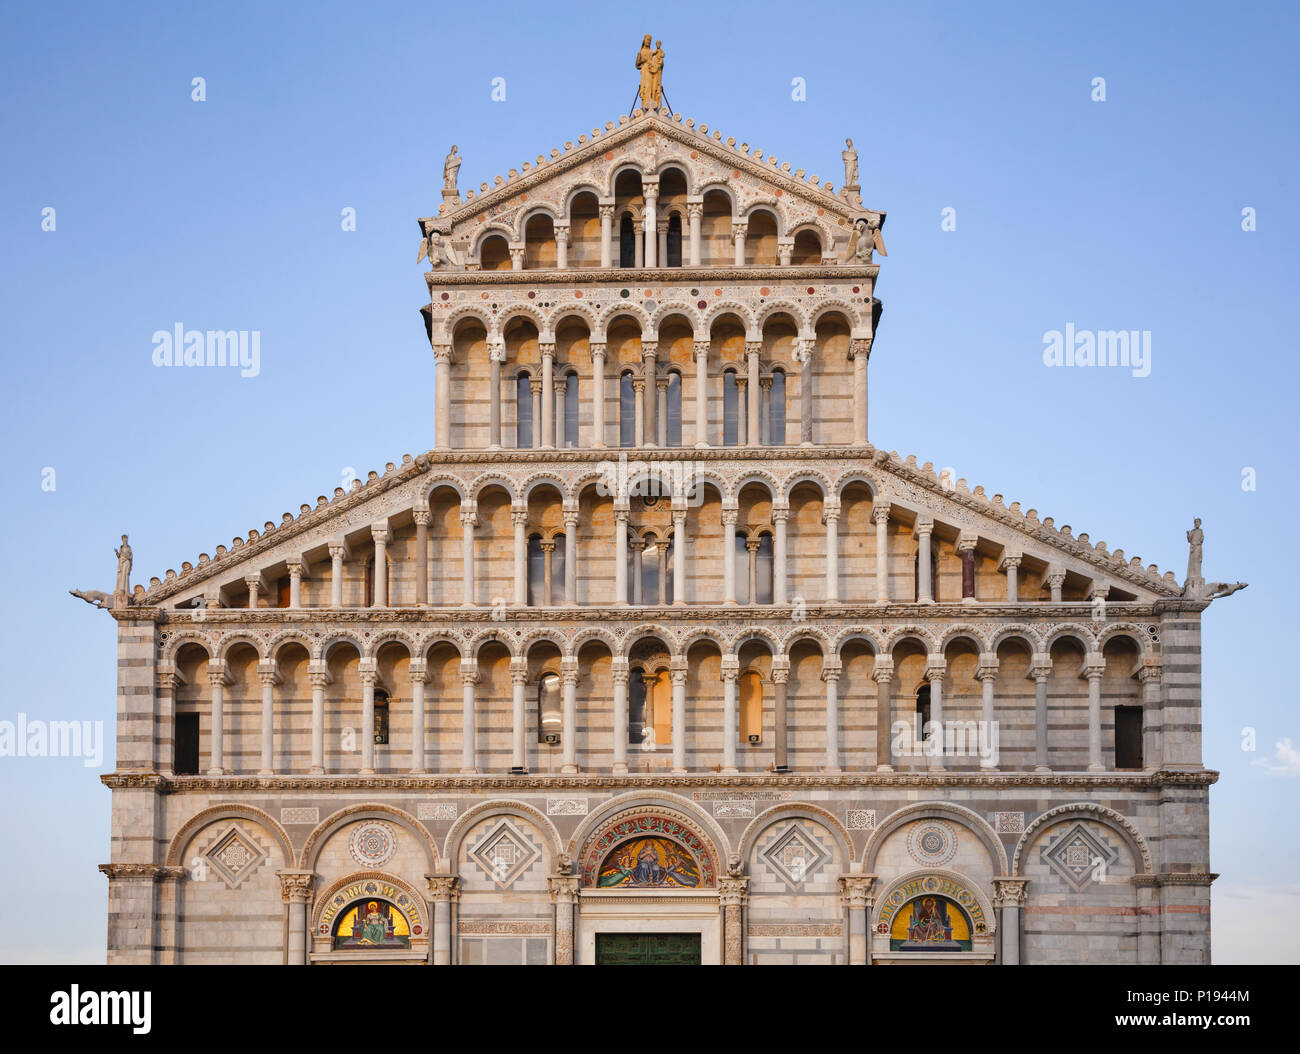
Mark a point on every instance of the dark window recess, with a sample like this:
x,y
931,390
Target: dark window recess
x,y
626,242
674,242
636,706
381,716
187,745
1128,737
923,710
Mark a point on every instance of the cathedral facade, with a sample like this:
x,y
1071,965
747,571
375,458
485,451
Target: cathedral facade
x,y
655,657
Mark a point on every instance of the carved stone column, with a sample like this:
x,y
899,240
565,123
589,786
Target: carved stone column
x,y
701,393
1094,668
422,517
924,566
678,670
1011,565
730,723
606,234
548,549
637,546
855,894
650,389
883,675
319,676
831,670
742,410
519,517
254,584
805,347
419,671
561,400
570,554
935,674
987,673
620,554
880,514
765,437
738,230
638,411
468,521
547,350
535,391
751,549
369,675
218,678
619,675
442,423
379,532
780,570
966,549
496,356
831,517
661,413
733,891
753,349
597,393
569,676
1009,895
1040,669
780,716
338,550
296,893
1055,580
519,717
694,215
564,890
650,194
561,246
443,890
468,738
270,677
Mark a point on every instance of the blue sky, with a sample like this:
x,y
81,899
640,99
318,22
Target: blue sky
x,y
225,214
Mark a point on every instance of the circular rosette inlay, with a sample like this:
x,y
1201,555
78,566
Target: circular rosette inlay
x,y
932,843
372,843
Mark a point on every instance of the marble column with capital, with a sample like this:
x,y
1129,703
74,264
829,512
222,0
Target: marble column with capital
x,y
620,555
923,530
270,677
569,732
619,676
880,515
780,715
606,235
831,670
379,594
564,892
369,676
855,894
1094,669
597,393
753,350
805,354
338,550
547,395
650,195
419,672
934,746
1009,896
468,728
780,558
571,516
519,717
733,892
496,356
831,517
442,381
650,391
519,517
883,675
468,521
701,351
695,214
678,670
296,889
1040,669
443,889
319,676
422,517
860,350
729,556
218,678
986,672
730,723
679,557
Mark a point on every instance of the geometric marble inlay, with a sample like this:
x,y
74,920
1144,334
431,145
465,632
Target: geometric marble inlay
x,y
1009,822
504,854
1076,854
372,843
931,843
794,855
862,819
234,857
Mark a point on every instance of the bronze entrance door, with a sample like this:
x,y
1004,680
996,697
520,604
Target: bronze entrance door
x,y
647,949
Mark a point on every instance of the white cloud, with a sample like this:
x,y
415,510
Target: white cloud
x,y
1285,761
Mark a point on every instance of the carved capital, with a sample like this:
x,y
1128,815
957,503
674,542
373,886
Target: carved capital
x,y
296,886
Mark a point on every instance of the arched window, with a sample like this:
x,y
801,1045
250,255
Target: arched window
x,y
536,573
571,411
550,711
523,412
730,408
776,410
674,424
765,569
751,708
381,716
626,411
674,241
626,241
636,716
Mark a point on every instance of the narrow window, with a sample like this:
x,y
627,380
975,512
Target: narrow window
x,y
626,242
523,412
381,716
674,241
776,411
636,716
550,714
571,412
1128,737
751,708
674,409
730,404
626,411
536,573
923,711
187,745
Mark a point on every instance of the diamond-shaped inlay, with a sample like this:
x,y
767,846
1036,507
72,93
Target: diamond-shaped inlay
x,y
794,855
234,856
504,854
1077,854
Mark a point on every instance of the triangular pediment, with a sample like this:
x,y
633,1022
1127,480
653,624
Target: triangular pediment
x,y
652,142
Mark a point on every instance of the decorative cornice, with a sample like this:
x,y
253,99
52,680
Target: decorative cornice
x,y
609,781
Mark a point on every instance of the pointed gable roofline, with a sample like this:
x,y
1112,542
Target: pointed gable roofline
x,y
674,126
